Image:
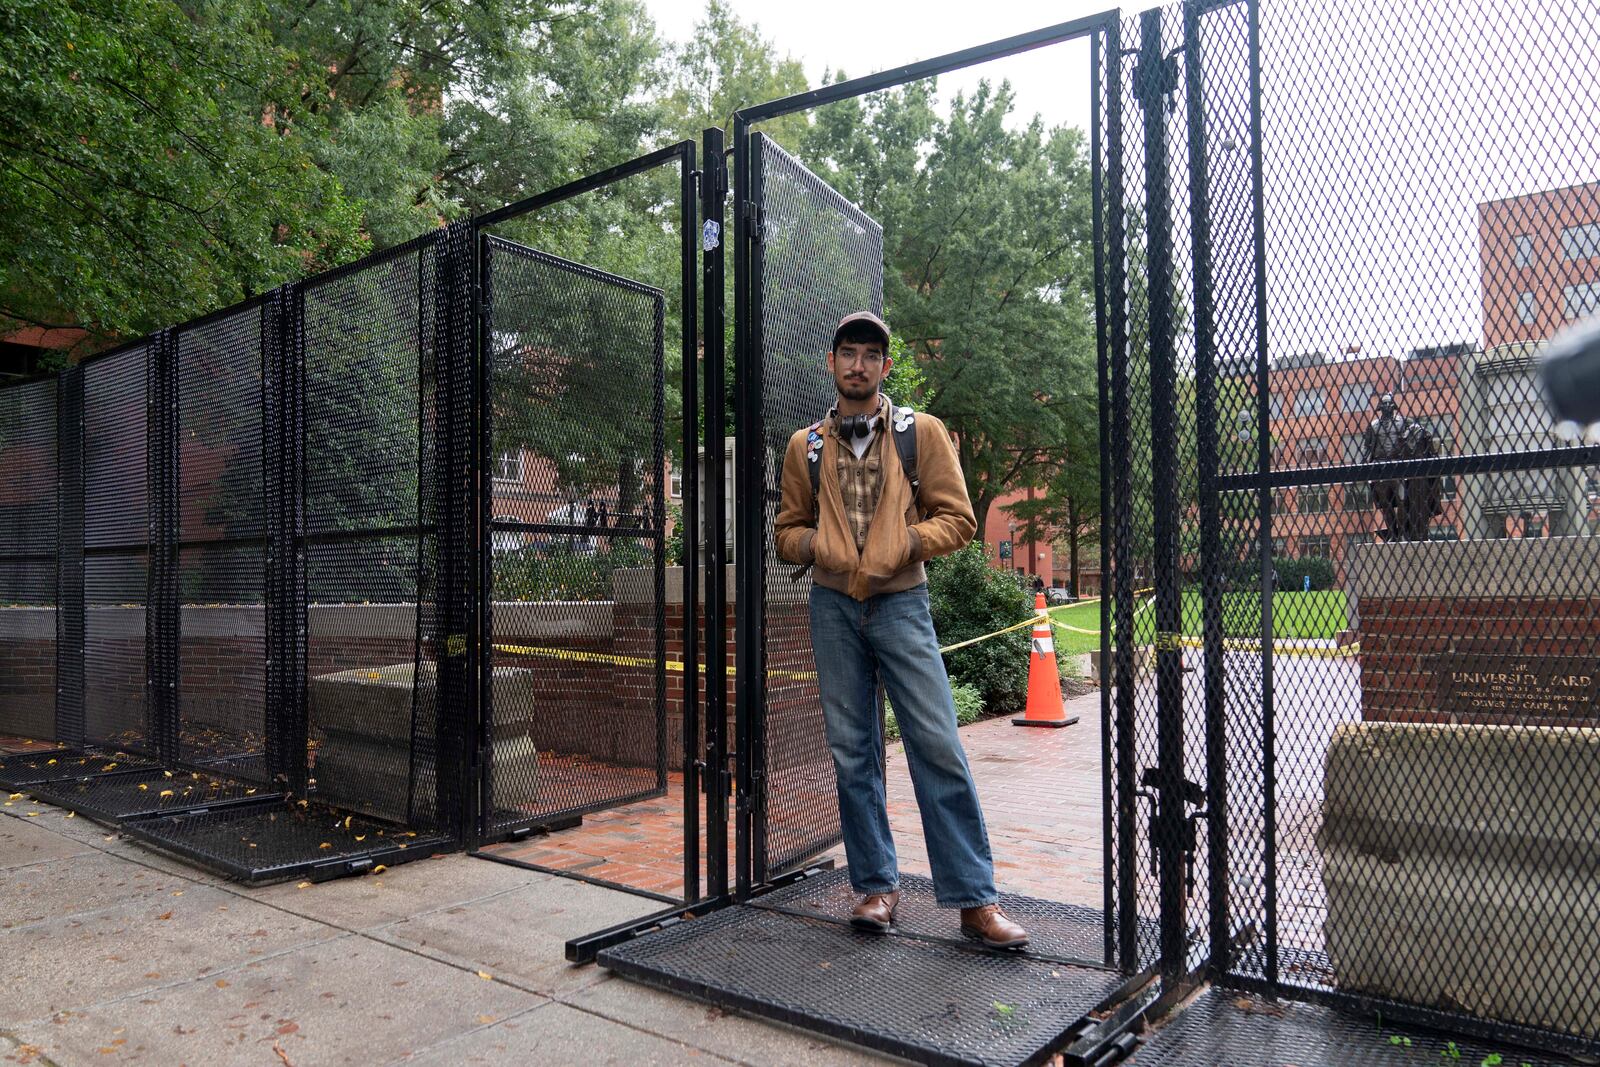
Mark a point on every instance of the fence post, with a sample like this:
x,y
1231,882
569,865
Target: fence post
x,y
1210,510
162,616
1154,79
1121,668
283,392
456,631
71,612
714,192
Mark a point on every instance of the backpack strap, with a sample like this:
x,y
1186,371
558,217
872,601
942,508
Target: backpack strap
x,y
903,423
814,465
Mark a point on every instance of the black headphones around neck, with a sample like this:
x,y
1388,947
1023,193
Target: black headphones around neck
x,y
854,426
859,425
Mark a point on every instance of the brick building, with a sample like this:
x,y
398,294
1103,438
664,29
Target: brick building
x,y
1539,261
1539,257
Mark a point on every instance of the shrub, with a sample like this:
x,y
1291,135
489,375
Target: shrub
x,y
969,599
969,709
1292,572
558,573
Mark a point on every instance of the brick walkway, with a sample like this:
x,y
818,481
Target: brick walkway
x,y
1040,791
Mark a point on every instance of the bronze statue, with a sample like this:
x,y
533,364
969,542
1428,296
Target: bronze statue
x,y
1408,504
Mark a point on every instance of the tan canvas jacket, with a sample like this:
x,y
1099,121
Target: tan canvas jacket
x,y
900,536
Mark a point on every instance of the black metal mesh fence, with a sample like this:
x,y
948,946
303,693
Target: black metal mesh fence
x,y
817,258
577,710
1371,629
220,553
116,539
28,530
364,449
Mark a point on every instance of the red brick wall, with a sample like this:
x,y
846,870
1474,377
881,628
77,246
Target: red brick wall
x,y
28,688
1403,642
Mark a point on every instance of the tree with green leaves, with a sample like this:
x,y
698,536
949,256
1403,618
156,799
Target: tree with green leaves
x,y
989,271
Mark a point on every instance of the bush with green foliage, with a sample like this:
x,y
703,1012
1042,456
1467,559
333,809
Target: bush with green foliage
x,y
969,709
560,573
969,599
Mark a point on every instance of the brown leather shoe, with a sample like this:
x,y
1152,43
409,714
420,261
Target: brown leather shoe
x,y
875,912
991,924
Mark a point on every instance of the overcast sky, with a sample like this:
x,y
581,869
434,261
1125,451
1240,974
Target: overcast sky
x,y
1385,126
864,36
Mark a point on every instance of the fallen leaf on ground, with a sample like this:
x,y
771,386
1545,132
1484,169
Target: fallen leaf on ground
x,y
361,837
143,787
379,869
166,793
282,1055
222,983
325,845
164,916
486,1019
485,975
303,885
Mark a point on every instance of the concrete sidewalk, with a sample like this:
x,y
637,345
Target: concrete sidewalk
x,y
111,953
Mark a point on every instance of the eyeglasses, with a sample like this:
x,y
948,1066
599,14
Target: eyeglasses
x,y
859,356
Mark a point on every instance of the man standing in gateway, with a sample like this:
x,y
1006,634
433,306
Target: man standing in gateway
x,y
869,493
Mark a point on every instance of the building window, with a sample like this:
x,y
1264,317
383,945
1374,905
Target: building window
x,y
1313,500
508,466
675,484
1440,427
1312,450
1441,533
1357,496
1581,242
1356,397
1527,309
1275,405
1355,448
1319,547
1311,402
1447,487
1524,243
1581,299
1280,501
1361,538
1280,546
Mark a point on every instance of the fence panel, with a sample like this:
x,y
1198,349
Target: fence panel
x,y
28,533
817,257
1398,595
364,450
116,540
221,540
577,534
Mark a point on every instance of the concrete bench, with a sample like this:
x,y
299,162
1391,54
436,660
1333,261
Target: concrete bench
x,y
1462,866
361,722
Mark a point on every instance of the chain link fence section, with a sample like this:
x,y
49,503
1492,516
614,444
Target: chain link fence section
x,y
817,258
117,401
577,709
220,553
1426,232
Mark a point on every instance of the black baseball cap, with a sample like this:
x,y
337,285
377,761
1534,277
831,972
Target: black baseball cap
x,y
861,316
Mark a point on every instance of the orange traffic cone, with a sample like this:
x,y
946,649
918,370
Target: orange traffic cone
x,y
1044,677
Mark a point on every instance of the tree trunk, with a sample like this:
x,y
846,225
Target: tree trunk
x,y
980,508
1072,546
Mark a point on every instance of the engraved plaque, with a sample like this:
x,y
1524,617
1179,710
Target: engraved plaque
x,y
1566,687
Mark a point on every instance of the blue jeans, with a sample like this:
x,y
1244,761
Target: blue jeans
x,y
892,634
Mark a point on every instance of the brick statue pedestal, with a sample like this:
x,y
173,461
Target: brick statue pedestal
x,y
1459,845
1495,632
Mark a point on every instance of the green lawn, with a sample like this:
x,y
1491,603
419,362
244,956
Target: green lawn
x,y
1319,614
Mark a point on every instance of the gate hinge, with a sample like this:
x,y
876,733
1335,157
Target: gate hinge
x,y
752,219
